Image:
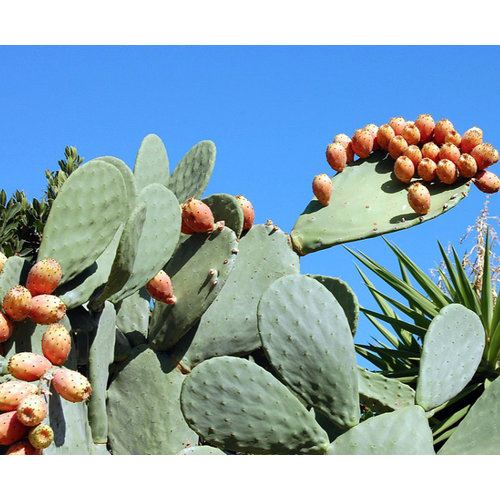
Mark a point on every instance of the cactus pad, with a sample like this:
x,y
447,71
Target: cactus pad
x,y
227,208
201,450
151,164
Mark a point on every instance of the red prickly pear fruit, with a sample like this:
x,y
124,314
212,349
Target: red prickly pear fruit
x,y
485,155
160,288
197,216
71,385
336,156
56,344
425,124
472,138
419,198
23,447
185,229
453,137
373,129
41,436
32,410
44,277
47,309
411,134
450,152
13,392
467,166
487,182
398,124
384,135
345,140
404,169
28,366
3,260
11,430
397,146
17,303
427,169
447,171
414,154
248,212
442,128
6,327
322,188
362,143
431,150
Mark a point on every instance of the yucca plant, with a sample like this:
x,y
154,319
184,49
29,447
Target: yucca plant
x,y
404,324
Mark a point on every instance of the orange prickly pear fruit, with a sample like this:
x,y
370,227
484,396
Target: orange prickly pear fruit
x,y
472,138
487,182
41,436
71,385
419,198
160,288
384,135
56,343
23,447
322,188
13,392
373,129
442,128
485,155
11,430
425,124
414,154
427,169
32,410
450,152
6,327
28,366
467,166
411,134
44,277
197,216
398,124
46,309
404,169
431,150
336,156
447,171
345,140
17,303
248,212
362,143
453,137
397,146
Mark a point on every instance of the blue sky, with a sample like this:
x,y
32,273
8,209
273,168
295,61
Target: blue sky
x,y
271,111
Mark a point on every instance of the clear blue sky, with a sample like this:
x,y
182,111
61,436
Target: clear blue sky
x,y
270,111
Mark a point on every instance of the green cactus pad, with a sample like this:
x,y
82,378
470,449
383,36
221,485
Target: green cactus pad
x,y
201,450
191,176
101,355
401,432
151,163
229,326
14,272
144,414
122,347
82,222
158,238
227,208
132,314
452,350
382,394
479,431
345,297
367,200
236,405
306,336
198,270
4,363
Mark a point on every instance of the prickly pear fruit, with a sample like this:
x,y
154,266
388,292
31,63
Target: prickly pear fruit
x,y
411,134
13,392
485,155
441,129
397,146
404,169
425,124
185,229
467,166
6,327
447,171
23,447
453,137
71,385
414,154
3,260
28,366
472,138
47,309
56,343
427,169
362,143
450,152
197,216
248,211
398,124
384,135
44,277
336,156
11,430
17,303
487,182
160,288
322,188
41,436
32,410
419,198
431,150
373,129
345,140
